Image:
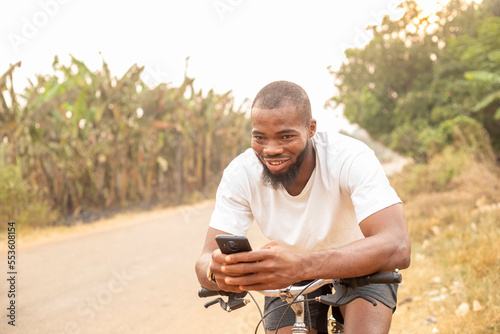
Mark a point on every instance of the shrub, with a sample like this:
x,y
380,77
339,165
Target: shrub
x,y
19,203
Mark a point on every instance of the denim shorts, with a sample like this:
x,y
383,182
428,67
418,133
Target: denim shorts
x,y
318,312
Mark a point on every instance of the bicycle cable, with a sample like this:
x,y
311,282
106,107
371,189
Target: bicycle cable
x,y
290,304
278,308
258,308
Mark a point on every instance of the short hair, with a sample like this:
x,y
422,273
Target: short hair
x,y
278,93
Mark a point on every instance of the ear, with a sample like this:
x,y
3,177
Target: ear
x,y
311,128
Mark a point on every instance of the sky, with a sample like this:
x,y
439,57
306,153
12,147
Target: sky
x,y
237,45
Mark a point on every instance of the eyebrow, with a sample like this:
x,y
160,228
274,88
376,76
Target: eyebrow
x,y
286,131
256,132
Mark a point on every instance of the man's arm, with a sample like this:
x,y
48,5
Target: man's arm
x,y
386,246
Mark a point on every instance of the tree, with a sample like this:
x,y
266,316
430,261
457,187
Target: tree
x,y
410,78
86,140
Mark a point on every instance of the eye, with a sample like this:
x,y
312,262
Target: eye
x,y
287,137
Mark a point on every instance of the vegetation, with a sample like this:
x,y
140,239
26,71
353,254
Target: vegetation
x,y
452,206
19,204
82,140
429,87
420,75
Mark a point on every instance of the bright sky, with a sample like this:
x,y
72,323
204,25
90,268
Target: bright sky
x,y
238,45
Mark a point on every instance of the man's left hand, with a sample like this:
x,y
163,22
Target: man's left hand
x,y
271,267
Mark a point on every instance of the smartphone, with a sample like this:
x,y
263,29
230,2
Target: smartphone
x,y
229,244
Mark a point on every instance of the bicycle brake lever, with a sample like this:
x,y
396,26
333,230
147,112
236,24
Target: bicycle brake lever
x,y
234,302
215,301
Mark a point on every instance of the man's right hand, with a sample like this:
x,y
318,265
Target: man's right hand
x,y
218,260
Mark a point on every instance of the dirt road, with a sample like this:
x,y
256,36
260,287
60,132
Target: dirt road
x,y
135,275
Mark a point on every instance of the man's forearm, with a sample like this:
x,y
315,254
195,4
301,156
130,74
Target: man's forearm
x,y
386,246
362,257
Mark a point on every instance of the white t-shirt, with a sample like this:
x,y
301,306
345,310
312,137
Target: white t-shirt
x,y
347,185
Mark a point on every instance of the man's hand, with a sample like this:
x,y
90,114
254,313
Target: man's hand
x,y
271,267
218,260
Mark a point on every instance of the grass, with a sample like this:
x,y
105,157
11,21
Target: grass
x,y
20,204
452,284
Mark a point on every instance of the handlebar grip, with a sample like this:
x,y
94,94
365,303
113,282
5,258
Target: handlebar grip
x,y
204,293
377,278
387,278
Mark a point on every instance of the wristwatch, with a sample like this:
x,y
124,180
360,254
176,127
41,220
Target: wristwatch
x,y
210,274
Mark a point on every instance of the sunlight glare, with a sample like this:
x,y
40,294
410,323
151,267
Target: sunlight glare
x,y
429,7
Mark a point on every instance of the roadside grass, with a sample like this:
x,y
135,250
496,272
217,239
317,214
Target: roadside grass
x,y
21,205
452,285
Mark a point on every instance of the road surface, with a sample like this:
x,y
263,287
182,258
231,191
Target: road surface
x,y
131,276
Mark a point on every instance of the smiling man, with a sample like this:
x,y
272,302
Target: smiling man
x,y
282,144
326,204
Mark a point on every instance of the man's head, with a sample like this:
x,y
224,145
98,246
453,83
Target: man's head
x,y
282,127
279,93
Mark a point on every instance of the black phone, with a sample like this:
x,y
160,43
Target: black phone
x,y
229,244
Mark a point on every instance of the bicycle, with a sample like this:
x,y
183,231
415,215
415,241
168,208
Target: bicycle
x,y
294,296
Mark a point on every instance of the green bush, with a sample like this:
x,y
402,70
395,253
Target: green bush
x,y
437,174
423,142
19,203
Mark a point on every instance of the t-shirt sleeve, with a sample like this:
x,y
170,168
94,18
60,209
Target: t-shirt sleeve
x,y
368,185
232,213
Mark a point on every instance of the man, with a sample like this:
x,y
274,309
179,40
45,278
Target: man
x,y
324,201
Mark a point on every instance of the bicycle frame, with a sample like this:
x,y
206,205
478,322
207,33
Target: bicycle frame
x,y
294,296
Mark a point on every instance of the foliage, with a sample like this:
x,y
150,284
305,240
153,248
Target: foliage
x,y
418,73
19,204
455,245
88,141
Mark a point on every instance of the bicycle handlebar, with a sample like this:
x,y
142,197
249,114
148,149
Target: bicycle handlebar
x,y
378,278
294,290
204,293
236,299
353,283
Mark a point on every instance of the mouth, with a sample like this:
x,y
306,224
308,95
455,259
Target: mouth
x,y
276,165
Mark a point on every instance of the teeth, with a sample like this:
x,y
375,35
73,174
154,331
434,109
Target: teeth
x,y
275,163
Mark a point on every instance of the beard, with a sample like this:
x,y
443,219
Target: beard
x,y
287,178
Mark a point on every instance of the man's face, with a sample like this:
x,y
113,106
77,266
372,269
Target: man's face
x,y
280,139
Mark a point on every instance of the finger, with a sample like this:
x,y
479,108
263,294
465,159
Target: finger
x,y
261,285
257,287
226,287
218,257
230,288
240,269
247,280
253,256
215,267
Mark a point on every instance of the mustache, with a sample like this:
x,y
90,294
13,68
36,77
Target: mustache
x,y
277,156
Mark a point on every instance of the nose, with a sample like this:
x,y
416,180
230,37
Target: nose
x,y
272,148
